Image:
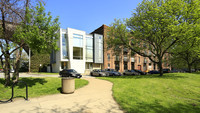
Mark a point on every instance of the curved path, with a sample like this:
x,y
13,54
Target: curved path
x,y
96,97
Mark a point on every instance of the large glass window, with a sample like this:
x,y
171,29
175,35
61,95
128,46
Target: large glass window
x,y
77,40
77,53
100,48
77,46
64,46
89,48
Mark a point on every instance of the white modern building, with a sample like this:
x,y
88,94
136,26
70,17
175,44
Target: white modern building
x,y
78,50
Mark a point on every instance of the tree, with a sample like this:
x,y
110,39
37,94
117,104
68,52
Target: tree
x,y
34,28
186,52
188,49
155,28
39,32
9,10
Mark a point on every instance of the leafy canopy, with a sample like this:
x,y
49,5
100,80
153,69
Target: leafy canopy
x,y
39,31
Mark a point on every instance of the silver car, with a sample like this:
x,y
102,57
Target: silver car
x,y
98,72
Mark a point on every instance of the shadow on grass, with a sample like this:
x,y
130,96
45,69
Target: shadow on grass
x,y
153,76
59,89
2,81
158,108
30,82
198,73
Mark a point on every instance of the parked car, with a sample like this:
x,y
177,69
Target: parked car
x,y
69,73
141,72
174,71
166,70
98,72
154,72
130,72
112,72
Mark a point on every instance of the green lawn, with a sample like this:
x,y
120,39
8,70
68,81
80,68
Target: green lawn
x,y
172,93
45,73
37,87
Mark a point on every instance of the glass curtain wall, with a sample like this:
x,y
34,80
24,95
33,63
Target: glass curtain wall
x,y
100,48
89,48
77,46
64,46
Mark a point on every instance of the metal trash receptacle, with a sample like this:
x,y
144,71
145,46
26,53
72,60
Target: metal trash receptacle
x,y
68,85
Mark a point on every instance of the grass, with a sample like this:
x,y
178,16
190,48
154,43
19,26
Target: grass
x,y
172,93
45,73
36,87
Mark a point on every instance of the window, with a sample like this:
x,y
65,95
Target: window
x,y
64,46
89,66
139,60
89,54
117,66
77,40
108,55
77,53
64,65
125,66
89,48
100,48
77,46
108,65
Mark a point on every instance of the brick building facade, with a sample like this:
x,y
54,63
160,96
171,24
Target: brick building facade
x,y
122,58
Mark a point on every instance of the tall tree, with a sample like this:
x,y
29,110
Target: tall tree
x,y
31,27
155,28
189,49
185,52
38,31
9,16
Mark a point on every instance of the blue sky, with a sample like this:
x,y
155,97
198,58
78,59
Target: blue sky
x,y
88,15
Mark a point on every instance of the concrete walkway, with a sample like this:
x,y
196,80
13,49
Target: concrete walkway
x,y
96,97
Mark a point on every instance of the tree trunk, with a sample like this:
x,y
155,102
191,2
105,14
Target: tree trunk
x,y
195,67
189,67
7,70
17,66
160,66
5,49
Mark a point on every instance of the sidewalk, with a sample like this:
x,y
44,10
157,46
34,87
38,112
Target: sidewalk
x,y
96,97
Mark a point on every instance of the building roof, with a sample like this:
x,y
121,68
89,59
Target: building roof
x,y
100,30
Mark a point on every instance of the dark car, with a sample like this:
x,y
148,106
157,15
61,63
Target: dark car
x,y
69,73
98,72
112,72
154,72
140,72
174,71
130,72
166,70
